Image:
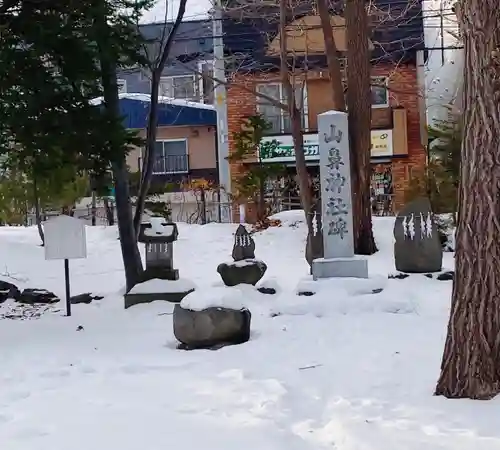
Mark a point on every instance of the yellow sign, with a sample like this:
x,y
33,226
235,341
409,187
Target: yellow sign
x,y
381,143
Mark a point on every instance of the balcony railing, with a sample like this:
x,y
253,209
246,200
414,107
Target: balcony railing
x,y
167,164
282,124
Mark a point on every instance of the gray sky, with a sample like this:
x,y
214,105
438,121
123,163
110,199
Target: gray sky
x,y
195,9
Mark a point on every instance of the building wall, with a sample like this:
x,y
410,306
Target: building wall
x,y
403,93
201,149
192,39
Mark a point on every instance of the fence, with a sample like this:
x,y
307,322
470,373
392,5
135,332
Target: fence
x,y
192,208
382,205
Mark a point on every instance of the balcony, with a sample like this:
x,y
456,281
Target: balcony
x,y
169,164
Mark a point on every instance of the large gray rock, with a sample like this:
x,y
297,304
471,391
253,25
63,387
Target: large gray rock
x,y
34,296
417,248
212,327
247,271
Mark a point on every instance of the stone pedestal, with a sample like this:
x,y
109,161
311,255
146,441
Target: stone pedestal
x,y
336,201
160,281
354,267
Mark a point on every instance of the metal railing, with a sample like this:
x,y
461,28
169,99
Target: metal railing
x,y
168,164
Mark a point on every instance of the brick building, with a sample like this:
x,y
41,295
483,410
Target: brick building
x,y
398,111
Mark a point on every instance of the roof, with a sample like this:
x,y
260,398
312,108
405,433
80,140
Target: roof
x,y
171,112
192,37
397,36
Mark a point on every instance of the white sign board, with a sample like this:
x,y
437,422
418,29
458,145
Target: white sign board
x,y
65,238
381,141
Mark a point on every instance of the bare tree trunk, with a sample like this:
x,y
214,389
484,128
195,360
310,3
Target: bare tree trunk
x,y
334,69
359,110
38,215
295,117
470,366
130,252
148,163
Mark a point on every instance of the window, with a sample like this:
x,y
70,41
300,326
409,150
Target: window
x,y
277,117
171,157
122,86
181,87
380,97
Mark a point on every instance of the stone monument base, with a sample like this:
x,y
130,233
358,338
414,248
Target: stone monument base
x,y
172,291
354,267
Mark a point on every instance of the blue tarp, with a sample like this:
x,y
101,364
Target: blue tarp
x,y
135,113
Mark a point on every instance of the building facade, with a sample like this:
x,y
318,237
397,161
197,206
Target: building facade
x,y
397,127
186,144
186,136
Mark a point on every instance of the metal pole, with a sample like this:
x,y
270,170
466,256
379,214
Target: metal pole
x,y
221,108
66,280
94,208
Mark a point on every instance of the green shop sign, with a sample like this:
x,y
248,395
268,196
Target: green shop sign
x,y
285,151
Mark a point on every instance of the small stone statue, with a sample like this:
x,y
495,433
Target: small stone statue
x,y
244,269
244,245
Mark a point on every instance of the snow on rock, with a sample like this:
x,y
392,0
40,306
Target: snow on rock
x,y
169,286
217,297
270,284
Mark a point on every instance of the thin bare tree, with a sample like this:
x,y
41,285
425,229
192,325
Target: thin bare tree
x,y
157,59
470,366
287,78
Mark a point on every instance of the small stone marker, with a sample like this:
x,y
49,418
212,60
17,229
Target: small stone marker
x,y
245,269
417,247
244,245
336,201
314,244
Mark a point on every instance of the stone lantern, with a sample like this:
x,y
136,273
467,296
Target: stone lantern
x,y
159,236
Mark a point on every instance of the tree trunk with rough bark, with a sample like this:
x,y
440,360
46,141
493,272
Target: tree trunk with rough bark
x,y
334,69
470,366
359,110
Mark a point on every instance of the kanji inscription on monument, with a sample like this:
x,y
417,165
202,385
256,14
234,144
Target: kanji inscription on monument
x,y
336,200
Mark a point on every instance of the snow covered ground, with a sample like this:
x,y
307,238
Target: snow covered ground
x,y
342,370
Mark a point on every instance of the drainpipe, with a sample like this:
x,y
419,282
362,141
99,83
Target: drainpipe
x,y
217,168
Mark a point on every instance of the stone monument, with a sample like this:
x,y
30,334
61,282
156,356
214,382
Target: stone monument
x,y
160,281
417,246
245,269
336,201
